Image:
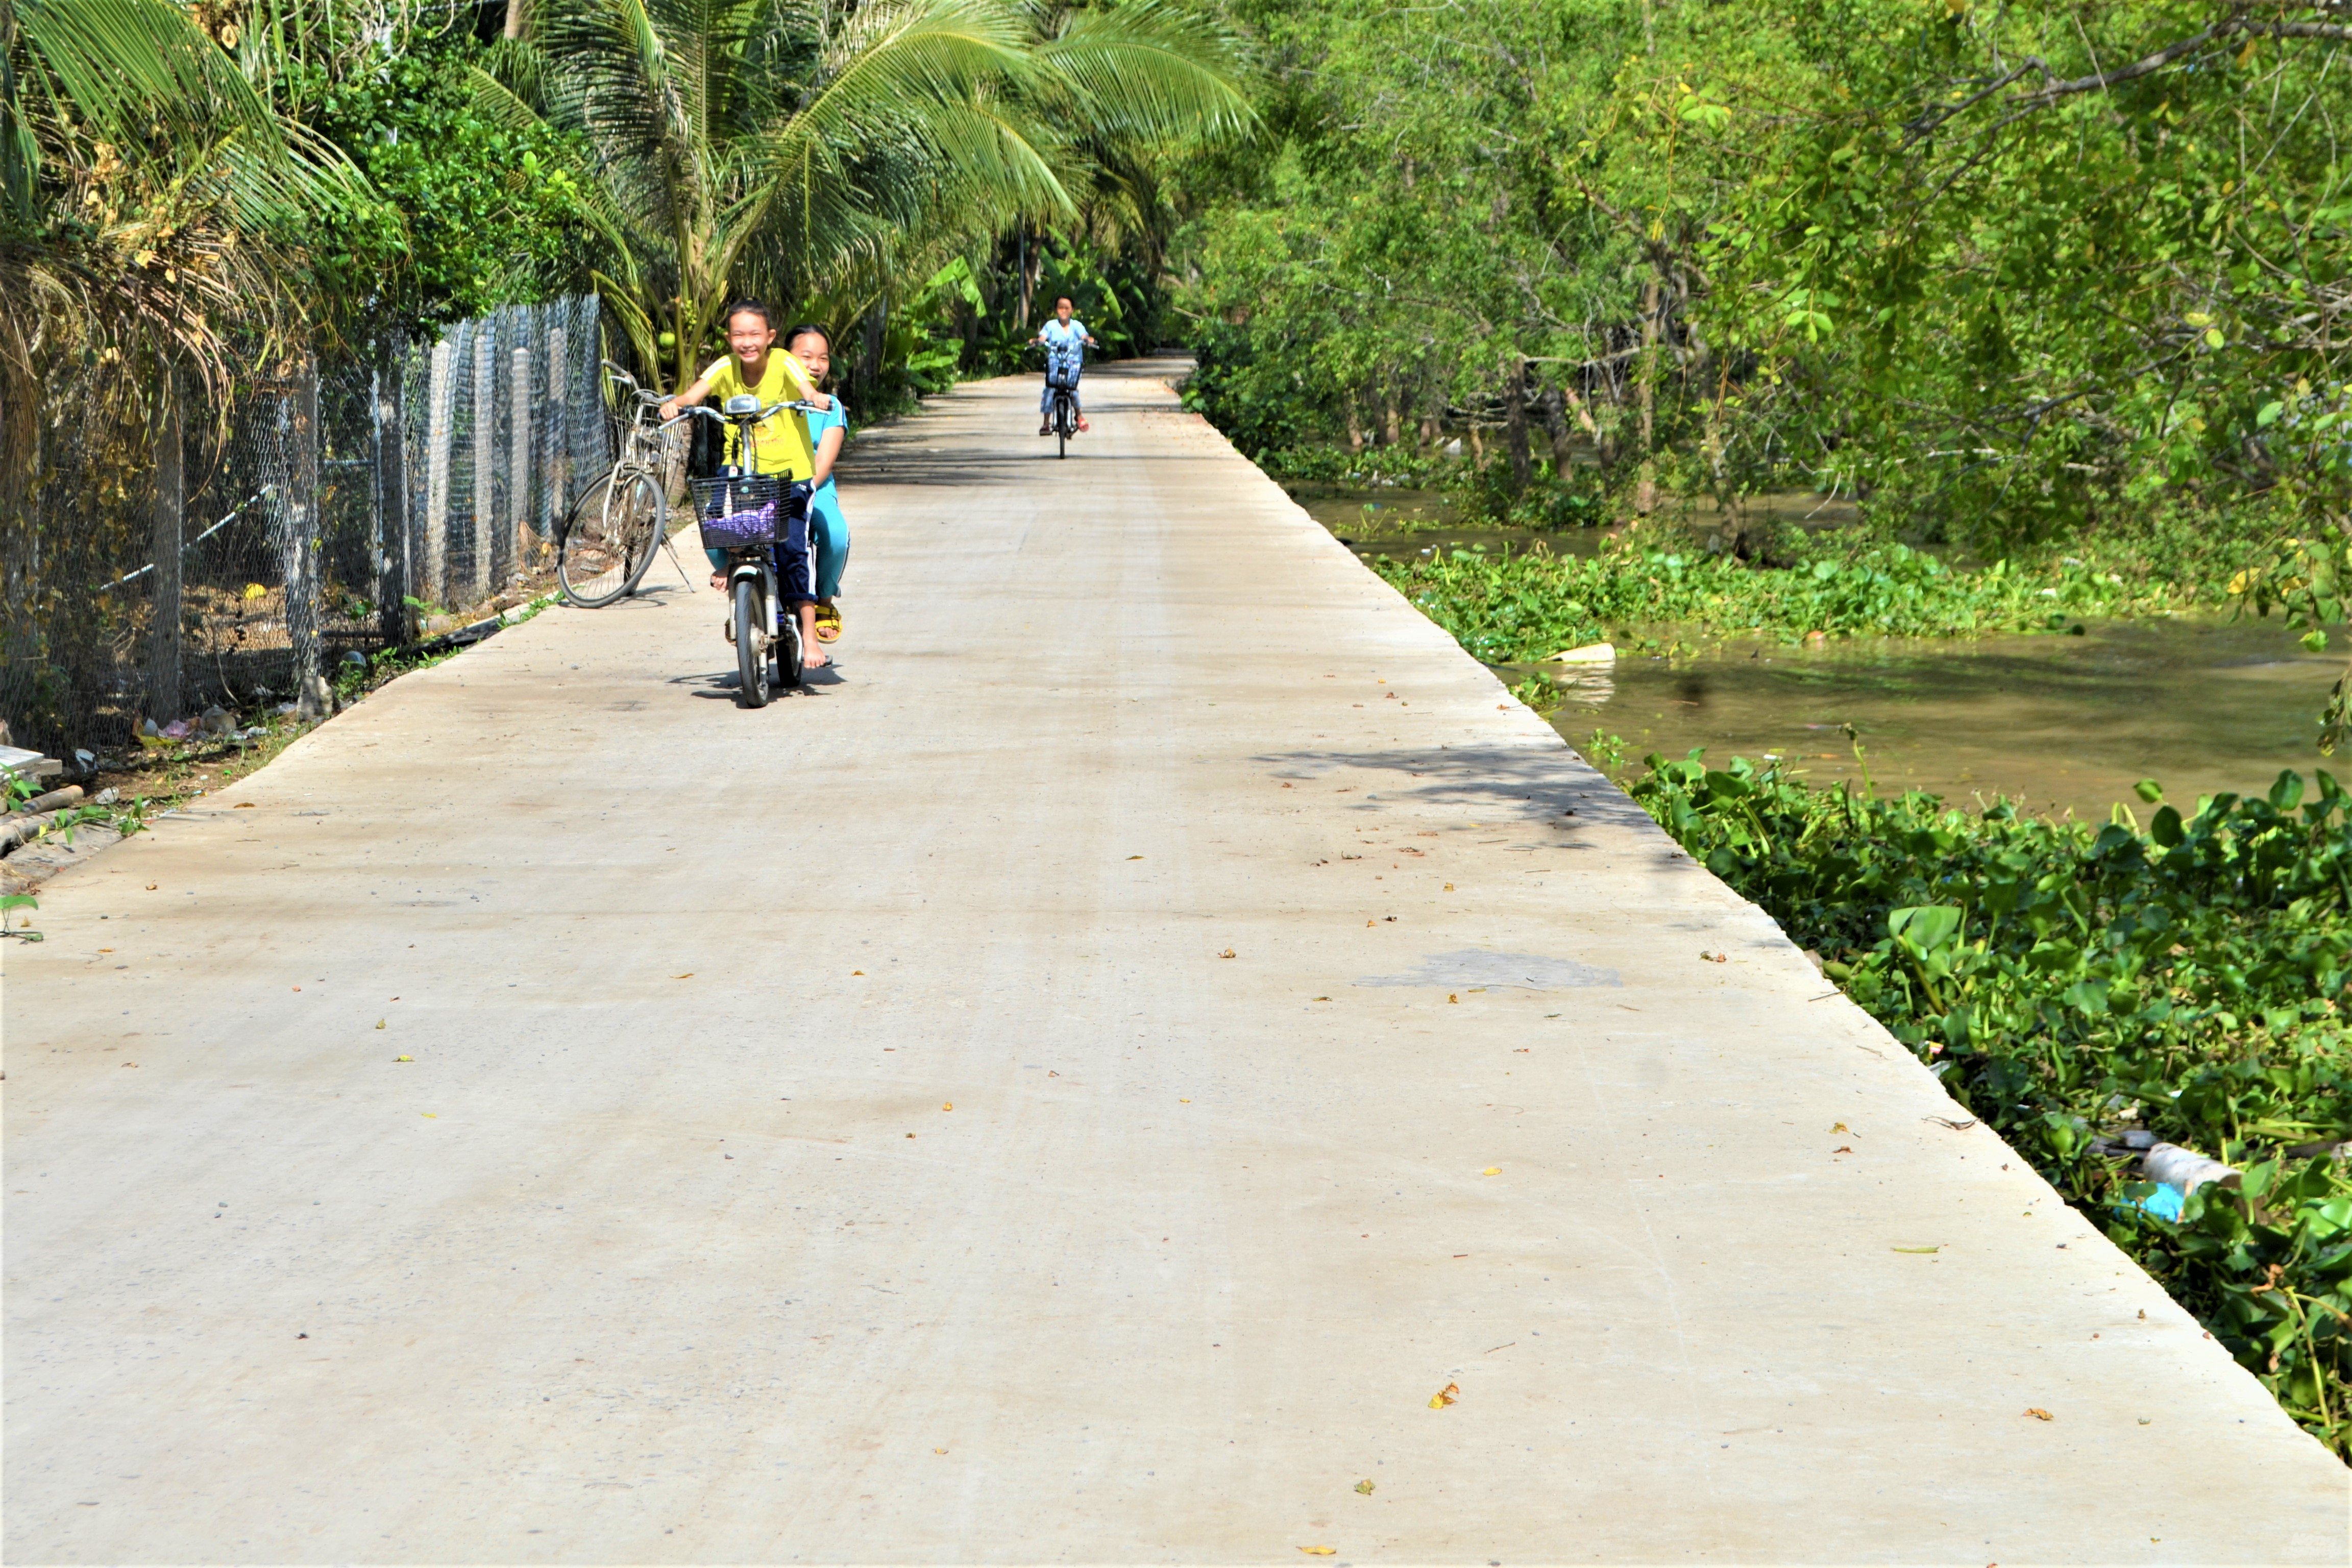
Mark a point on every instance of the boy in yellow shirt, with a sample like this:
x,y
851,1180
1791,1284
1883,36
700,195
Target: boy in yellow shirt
x,y
780,444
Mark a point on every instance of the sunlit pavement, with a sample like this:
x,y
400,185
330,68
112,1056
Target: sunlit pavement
x,y
1160,1058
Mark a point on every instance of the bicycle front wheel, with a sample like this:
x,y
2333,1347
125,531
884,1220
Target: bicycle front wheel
x,y
609,539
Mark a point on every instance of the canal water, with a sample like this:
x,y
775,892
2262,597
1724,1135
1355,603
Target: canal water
x,y
2056,724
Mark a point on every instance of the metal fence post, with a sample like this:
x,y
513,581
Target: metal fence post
x,y
164,624
518,463
486,454
442,396
390,543
559,431
297,541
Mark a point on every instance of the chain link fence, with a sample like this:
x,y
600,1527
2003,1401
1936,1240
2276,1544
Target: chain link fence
x,y
174,556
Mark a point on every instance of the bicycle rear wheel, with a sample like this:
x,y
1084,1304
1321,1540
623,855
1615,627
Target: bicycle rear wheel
x,y
609,539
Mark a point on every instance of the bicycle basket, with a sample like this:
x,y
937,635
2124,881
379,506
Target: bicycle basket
x,y
739,529
727,494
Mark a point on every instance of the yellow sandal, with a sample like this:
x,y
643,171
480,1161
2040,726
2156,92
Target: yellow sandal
x,y
829,621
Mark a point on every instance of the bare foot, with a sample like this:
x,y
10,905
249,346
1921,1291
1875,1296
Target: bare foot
x,y
813,657
1082,425
719,581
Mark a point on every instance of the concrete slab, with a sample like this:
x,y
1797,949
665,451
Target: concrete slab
x,y
1079,1086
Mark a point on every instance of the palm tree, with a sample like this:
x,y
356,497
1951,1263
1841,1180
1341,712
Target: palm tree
x,y
799,147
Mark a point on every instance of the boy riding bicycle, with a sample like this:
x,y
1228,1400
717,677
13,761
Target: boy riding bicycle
x,y
1065,359
780,444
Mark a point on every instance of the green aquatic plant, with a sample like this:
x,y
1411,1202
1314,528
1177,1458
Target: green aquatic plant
x,y
2070,984
1506,609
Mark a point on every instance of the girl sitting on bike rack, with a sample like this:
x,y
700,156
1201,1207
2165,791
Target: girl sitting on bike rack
x,y
828,530
780,444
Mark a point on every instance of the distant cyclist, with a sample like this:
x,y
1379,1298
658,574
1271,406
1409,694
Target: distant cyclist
x,y
1064,357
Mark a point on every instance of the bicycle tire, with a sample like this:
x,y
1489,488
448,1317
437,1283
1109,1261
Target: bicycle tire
x,y
790,672
649,527
750,647
1062,426
605,548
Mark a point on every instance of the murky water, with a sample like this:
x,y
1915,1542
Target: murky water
x,y
2056,724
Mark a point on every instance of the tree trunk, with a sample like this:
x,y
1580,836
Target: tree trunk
x,y
1515,421
1646,491
166,544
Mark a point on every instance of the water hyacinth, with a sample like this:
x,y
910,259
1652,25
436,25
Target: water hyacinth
x,y
1509,608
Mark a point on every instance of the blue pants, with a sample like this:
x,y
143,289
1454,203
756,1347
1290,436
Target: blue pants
x,y
1046,398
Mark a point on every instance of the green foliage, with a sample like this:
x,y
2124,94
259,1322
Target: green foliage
x,y
470,212
1506,609
1961,262
2066,984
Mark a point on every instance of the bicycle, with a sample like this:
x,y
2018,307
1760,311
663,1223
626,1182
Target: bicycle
x,y
746,514
1065,413
608,539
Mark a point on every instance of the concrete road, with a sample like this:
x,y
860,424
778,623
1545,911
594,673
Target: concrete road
x,y
1086,1084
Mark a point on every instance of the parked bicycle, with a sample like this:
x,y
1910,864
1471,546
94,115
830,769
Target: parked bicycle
x,y
610,536
754,519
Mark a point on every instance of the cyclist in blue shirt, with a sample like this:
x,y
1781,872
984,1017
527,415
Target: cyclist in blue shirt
x,y
1063,359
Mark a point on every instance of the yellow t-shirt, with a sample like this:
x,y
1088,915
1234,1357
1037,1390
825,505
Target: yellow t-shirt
x,y
781,443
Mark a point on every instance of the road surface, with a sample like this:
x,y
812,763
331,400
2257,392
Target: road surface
x,y
1087,1083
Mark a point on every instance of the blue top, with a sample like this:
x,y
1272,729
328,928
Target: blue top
x,y
834,418
1065,347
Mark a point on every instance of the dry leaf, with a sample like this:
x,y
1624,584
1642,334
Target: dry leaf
x,y
1322,998
379,1023
1135,857
256,591
1451,997
687,975
241,805
1318,1550
855,972
150,887
1919,1249
1449,887
1843,1149
1365,1487
1491,1170
1841,1127
1444,1396
938,1450
1227,953
947,1105
404,1058
430,1115
1184,1102
2038,1413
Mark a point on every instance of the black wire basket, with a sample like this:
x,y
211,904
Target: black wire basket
x,y
725,494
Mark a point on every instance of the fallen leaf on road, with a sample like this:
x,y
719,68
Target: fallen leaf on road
x,y
935,1451
404,1058
1841,1127
430,1115
949,1105
1184,1102
1444,1396
687,975
1318,1550
1135,857
1491,1170
2038,1413
1365,1487
856,972
1920,1249
130,1064
1843,1149
1449,887
150,887
241,805
381,1022
1227,953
